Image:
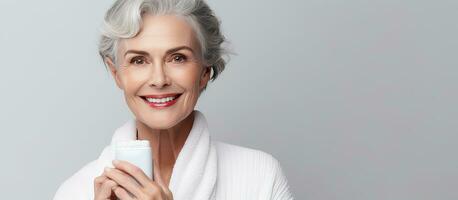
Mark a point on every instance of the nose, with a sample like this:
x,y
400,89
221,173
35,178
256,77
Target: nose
x,y
158,76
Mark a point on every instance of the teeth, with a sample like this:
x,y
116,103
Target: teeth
x,y
163,100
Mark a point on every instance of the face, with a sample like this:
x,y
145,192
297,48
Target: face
x,y
164,58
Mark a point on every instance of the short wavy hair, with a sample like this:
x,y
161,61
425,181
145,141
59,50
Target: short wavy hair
x,y
124,19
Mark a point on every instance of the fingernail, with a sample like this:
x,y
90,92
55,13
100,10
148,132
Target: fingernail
x,y
115,162
107,169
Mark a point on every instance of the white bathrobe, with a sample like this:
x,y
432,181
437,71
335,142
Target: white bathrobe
x,y
204,170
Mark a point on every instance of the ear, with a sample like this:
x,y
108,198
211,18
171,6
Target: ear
x,y
113,71
205,76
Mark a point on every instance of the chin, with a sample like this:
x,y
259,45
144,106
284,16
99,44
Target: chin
x,y
162,119
160,122
159,127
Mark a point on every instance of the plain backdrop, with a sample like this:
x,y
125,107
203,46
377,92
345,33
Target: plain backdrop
x,y
356,99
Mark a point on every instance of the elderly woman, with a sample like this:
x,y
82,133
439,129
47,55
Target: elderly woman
x,y
161,54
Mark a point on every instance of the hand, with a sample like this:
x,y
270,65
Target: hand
x,y
132,183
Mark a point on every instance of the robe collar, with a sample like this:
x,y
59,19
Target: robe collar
x,y
194,173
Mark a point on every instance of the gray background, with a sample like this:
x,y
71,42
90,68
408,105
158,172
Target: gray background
x,y
356,99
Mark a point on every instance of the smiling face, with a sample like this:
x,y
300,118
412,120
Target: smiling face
x,y
163,58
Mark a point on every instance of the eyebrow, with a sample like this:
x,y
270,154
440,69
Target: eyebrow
x,y
167,52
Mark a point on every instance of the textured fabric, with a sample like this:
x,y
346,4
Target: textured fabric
x,y
204,169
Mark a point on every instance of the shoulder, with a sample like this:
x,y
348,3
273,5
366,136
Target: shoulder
x,y
252,170
79,185
245,158
75,187
230,153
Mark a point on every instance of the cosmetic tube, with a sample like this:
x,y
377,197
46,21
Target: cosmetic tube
x,y
136,152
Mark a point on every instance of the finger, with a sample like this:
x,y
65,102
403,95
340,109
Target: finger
x,y
121,193
124,180
98,181
106,188
133,170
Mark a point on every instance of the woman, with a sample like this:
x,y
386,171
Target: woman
x,y
161,54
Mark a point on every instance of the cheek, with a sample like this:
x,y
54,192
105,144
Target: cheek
x,y
188,79
132,81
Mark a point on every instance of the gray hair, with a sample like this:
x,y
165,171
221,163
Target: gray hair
x,y
124,18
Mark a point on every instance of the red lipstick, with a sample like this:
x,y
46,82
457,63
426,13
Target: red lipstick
x,y
158,96
164,104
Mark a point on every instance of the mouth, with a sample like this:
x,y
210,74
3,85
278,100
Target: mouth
x,y
161,101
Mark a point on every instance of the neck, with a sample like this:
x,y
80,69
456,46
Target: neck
x,y
166,144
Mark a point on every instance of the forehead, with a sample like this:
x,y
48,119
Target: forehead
x,y
161,32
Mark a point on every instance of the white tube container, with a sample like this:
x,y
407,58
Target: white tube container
x,y
136,152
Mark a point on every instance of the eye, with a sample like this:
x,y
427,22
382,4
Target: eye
x,y
138,60
178,58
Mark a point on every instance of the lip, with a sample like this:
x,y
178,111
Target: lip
x,y
158,96
161,105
